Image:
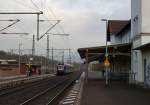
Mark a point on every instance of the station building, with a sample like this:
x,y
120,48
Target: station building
x,y
129,49
140,35
119,50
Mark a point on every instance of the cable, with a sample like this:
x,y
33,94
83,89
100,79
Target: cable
x,y
50,9
39,10
44,15
10,25
56,18
25,5
35,5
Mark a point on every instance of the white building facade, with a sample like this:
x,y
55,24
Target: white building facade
x,y
140,35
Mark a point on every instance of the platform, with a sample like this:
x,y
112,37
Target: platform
x,y
118,93
20,79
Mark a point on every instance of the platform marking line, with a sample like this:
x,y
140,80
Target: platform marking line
x,y
71,97
68,99
69,102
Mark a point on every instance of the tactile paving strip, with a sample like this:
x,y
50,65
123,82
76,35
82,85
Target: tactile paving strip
x,y
74,95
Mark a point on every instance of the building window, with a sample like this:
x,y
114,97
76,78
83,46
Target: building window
x,y
135,18
145,64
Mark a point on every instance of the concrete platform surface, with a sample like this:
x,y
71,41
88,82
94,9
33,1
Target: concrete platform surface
x,y
96,93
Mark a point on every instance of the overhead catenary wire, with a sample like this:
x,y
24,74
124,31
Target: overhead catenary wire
x,y
69,45
46,17
7,30
10,25
27,6
43,13
35,5
50,9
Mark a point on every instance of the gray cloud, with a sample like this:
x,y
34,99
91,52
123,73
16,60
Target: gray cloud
x,y
80,18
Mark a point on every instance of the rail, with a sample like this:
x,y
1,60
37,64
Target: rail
x,y
40,94
34,93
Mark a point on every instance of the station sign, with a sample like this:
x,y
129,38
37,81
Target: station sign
x,y
106,62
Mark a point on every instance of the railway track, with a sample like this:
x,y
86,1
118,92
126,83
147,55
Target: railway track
x,y
43,93
22,86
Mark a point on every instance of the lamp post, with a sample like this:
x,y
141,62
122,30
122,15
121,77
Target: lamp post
x,y
106,54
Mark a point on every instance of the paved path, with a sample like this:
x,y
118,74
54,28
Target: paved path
x,y
95,93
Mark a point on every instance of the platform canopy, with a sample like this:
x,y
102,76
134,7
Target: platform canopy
x,y
98,53
143,47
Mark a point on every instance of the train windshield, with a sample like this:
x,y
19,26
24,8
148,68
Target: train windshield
x,y
60,67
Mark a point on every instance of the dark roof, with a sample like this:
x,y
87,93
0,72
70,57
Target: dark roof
x,y
115,26
143,47
123,48
128,26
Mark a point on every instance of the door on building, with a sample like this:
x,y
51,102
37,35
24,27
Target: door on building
x,y
146,72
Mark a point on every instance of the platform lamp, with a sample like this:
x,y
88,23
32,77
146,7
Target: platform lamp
x,y
106,53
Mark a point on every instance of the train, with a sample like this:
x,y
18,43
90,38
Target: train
x,y
63,69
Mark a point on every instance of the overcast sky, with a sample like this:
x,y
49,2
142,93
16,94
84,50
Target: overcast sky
x,y
79,18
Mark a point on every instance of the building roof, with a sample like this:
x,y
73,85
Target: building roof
x,y
2,60
115,26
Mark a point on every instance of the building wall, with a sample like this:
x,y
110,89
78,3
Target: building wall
x,y
23,69
140,25
97,67
122,64
136,21
9,70
137,42
120,39
136,18
124,37
114,39
145,39
137,66
145,16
